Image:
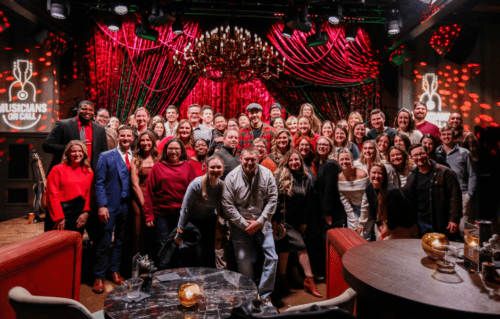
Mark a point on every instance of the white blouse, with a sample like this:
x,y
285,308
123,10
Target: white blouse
x,y
353,193
391,173
414,136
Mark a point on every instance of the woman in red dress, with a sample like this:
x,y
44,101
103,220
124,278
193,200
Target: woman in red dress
x,y
68,189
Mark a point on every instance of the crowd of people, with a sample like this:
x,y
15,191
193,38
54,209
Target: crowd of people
x,y
250,196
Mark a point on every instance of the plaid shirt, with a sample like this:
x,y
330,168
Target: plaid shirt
x,y
467,140
246,136
445,196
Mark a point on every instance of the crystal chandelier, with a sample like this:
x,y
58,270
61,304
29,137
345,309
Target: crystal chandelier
x,y
233,56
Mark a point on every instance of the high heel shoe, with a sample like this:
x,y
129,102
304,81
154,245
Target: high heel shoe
x,y
310,286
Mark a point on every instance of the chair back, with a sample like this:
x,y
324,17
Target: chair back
x,y
27,306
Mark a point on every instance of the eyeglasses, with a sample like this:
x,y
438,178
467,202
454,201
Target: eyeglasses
x,y
418,155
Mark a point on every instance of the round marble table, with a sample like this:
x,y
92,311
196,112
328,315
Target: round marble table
x,y
163,303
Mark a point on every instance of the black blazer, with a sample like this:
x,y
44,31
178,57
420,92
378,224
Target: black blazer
x,y
328,193
67,130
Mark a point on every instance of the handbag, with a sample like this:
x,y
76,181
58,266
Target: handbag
x,y
280,232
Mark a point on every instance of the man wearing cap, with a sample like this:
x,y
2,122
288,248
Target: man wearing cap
x,y
275,111
220,125
256,128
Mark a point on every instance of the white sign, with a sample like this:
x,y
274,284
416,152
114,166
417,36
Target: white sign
x,y
432,99
25,109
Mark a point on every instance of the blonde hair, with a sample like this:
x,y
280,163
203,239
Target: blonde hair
x,y
315,122
351,128
206,177
275,152
376,159
85,163
333,150
285,181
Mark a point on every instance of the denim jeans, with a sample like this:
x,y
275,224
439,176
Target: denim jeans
x,y
104,261
164,225
245,252
423,229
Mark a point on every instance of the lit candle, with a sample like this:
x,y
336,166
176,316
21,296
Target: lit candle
x,y
189,294
436,243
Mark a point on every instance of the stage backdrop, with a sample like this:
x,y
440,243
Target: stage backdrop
x,y
123,72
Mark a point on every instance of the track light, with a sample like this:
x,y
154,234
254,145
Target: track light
x,y
121,7
177,27
287,32
113,22
58,9
394,22
299,20
336,14
159,15
143,30
351,30
319,38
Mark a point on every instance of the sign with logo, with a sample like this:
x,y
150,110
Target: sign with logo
x,y
431,97
29,90
22,110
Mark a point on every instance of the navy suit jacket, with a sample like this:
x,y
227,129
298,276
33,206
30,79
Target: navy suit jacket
x,y
112,180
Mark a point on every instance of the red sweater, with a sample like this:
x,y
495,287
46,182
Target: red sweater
x,y
65,184
199,167
165,188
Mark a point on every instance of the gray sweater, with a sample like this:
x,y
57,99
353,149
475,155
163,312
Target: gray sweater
x,y
253,199
461,163
195,207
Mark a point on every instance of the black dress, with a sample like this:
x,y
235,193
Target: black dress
x,y
293,211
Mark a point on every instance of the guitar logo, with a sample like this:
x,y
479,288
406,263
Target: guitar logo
x,y
22,112
430,96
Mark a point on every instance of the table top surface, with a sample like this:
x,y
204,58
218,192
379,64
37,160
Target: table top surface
x,y
398,273
164,302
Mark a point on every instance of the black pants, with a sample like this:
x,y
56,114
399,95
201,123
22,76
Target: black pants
x,y
206,247
72,211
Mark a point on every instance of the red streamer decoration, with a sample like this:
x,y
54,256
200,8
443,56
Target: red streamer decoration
x,y
124,72
338,63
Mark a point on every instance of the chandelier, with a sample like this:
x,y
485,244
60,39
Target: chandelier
x,y
233,56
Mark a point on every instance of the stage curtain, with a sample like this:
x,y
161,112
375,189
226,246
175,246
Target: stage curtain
x,y
338,63
228,98
123,72
330,103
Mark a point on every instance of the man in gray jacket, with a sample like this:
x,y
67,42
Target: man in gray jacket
x,y
249,199
461,163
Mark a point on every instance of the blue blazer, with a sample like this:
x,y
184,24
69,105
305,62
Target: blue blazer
x,y
112,180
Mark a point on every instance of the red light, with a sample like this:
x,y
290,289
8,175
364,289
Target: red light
x,y
473,95
485,117
448,67
465,115
485,106
19,141
48,54
423,63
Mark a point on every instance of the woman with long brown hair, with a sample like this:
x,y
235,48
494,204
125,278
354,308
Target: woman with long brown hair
x,y
357,134
307,109
401,162
341,142
145,156
68,190
388,207
295,198
405,124
199,207
260,144
282,143
291,125
371,154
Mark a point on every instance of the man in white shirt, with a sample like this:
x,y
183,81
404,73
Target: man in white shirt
x,y
199,131
172,115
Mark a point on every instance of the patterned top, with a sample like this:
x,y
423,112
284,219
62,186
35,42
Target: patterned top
x,y
246,136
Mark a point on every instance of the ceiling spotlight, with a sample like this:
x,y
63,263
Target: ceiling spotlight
x,y
299,20
394,22
121,7
159,15
58,9
351,30
177,27
336,14
287,32
143,30
318,38
113,22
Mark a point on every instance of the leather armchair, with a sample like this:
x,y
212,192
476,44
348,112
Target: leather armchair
x,y
47,265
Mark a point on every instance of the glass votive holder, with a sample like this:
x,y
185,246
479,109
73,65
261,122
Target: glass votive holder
x,y
134,286
212,298
449,260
